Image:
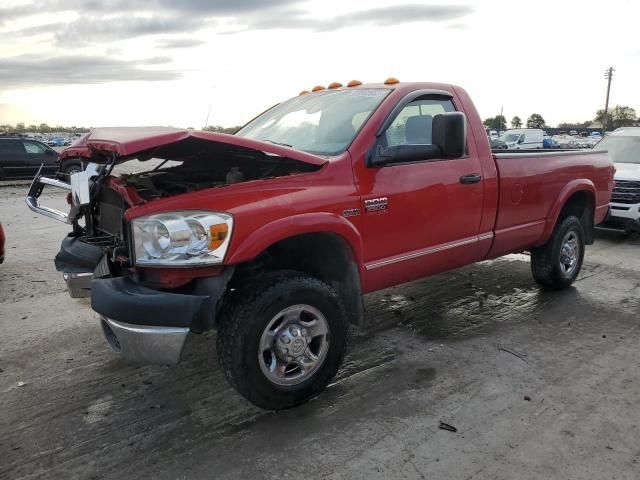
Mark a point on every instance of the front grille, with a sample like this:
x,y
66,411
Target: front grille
x,y
626,191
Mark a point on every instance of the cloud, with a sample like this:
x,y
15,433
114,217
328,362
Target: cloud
x,y
180,43
122,27
381,16
33,70
206,8
8,14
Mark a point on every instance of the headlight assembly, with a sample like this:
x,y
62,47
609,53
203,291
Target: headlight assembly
x,y
184,238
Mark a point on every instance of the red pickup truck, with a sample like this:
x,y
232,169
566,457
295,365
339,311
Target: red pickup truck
x,y
273,235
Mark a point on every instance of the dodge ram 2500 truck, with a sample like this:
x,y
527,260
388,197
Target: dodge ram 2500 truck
x,y
273,235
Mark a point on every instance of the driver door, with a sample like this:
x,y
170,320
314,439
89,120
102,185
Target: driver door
x,y
421,217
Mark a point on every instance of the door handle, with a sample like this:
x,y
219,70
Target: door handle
x,y
470,178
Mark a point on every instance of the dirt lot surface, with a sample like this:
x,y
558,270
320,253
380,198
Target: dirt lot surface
x,y
538,384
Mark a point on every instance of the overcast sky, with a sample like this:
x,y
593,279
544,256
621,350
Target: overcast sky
x,y
166,62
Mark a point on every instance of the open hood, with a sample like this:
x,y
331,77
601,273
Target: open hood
x,y
164,142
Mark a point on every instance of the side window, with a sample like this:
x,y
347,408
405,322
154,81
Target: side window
x,y
34,147
412,126
11,147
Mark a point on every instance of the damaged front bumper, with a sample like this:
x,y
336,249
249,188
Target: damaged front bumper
x,y
145,343
78,187
151,326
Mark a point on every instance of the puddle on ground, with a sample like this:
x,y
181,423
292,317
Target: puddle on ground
x,y
462,302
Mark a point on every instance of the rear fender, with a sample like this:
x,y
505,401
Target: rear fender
x,y
581,184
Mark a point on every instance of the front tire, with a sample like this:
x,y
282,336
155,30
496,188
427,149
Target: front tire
x,y
556,264
282,340
71,166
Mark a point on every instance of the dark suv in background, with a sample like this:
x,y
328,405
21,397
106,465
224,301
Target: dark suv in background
x,y
22,157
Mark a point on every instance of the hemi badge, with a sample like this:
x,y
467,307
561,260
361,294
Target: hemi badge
x,y
351,212
376,204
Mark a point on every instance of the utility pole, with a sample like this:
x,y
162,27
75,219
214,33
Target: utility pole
x,y
608,74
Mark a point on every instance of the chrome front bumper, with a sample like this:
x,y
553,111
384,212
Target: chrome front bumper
x,y
35,191
78,284
143,343
78,186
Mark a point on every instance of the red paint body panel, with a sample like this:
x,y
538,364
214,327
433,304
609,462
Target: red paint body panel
x,y
432,222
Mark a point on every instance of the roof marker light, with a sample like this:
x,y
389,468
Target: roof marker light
x,y
391,81
317,88
333,85
354,83
303,92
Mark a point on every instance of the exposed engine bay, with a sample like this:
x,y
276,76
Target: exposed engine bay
x,y
195,164
197,174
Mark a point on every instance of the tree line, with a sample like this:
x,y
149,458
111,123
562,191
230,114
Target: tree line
x,y
44,128
618,116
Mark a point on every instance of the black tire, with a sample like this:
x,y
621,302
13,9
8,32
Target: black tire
x,y
71,166
547,265
242,325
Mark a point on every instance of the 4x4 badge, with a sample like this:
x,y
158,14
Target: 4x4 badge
x,y
351,212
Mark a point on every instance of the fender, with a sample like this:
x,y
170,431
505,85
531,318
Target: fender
x,y
580,184
316,222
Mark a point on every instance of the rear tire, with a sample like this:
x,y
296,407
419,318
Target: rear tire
x,y
286,312
556,264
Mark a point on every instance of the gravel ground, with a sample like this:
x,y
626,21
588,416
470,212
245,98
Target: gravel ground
x,y
538,384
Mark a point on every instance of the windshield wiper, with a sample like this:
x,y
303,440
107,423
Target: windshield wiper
x,y
279,143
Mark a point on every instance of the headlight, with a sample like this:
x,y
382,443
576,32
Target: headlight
x,y
182,238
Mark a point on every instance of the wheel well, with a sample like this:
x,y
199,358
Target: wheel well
x,y
326,256
580,204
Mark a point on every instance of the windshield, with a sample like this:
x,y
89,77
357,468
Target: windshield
x,y
511,137
324,123
621,149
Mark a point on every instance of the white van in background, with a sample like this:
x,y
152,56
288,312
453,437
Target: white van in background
x,y
523,138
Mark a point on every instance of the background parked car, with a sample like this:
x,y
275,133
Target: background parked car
x,y
56,142
21,158
623,146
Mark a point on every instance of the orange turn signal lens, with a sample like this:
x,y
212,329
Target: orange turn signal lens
x,y
317,88
354,83
391,81
218,234
335,85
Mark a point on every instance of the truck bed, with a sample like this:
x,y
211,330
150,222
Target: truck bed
x,y
532,182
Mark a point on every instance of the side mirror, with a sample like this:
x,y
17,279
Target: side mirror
x,y
449,133
402,153
449,140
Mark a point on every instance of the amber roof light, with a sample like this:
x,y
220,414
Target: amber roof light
x,y
333,85
391,81
303,92
354,83
317,88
